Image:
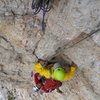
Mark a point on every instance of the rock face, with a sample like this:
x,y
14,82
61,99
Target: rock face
x,y
21,33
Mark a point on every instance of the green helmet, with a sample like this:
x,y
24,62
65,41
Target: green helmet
x,y
59,74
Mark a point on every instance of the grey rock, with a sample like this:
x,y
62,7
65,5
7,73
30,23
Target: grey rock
x,y
21,34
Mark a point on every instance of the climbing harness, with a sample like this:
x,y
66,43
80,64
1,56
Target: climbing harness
x,y
44,5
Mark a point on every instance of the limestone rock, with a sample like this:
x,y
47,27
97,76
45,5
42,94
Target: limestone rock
x,y
21,34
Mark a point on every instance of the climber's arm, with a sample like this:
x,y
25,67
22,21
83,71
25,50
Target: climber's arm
x,y
41,70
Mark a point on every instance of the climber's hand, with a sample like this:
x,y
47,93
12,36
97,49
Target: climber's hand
x,y
42,91
43,62
73,64
73,67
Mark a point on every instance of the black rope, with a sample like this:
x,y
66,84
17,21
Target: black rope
x,y
35,55
44,5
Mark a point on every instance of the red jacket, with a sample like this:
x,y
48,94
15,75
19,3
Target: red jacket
x,y
49,84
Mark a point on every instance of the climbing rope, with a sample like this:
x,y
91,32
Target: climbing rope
x,y
84,38
44,5
89,35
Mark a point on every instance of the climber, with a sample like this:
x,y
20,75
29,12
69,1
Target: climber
x,y
44,85
54,71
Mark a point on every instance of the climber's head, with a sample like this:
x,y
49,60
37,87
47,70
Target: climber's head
x,y
59,74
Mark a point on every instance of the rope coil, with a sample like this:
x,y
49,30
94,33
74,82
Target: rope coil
x,y
44,5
